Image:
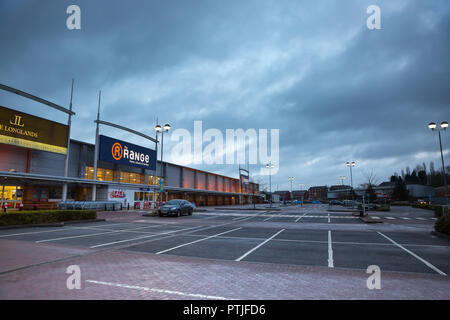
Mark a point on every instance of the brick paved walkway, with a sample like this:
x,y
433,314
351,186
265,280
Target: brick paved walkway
x,y
111,274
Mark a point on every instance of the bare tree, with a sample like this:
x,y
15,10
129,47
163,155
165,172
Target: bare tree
x,y
371,178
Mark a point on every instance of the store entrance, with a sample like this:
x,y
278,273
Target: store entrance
x,y
11,196
144,200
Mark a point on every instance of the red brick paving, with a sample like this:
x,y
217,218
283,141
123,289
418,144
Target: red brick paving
x,y
228,279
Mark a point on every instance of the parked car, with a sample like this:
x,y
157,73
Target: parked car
x,y
316,202
335,203
176,207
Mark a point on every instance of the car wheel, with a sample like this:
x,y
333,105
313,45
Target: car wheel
x,y
190,212
178,213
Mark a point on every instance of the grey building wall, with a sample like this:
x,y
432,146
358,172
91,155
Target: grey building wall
x,y
12,157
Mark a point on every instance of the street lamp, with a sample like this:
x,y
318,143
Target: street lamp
x,y
291,179
350,165
300,185
444,126
342,179
270,166
161,130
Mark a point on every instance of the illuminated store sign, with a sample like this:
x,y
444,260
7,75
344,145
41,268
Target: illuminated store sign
x,y
24,130
121,152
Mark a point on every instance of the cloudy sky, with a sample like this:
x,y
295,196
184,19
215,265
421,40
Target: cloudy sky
x,y
336,90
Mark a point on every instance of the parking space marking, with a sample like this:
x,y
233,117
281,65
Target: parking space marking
x,y
406,218
301,216
94,234
192,295
328,218
413,254
390,218
376,218
186,244
330,251
418,218
153,235
259,245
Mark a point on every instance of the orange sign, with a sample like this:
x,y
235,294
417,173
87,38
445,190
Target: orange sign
x,y
117,151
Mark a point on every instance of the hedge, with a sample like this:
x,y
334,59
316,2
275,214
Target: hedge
x,y
427,206
438,210
44,216
443,224
400,203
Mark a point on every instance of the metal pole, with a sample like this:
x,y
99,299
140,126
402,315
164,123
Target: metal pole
x,y
94,186
161,176
270,183
443,168
351,179
66,160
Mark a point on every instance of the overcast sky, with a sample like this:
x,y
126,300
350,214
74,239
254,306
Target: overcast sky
x,y
336,90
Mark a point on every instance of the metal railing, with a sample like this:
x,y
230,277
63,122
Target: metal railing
x,y
90,205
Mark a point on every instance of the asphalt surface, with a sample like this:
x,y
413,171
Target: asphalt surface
x,y
305,236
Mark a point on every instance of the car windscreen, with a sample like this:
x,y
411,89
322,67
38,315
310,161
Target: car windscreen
x,y
173,202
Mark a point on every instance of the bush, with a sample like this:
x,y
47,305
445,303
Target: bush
x,y
438,210
400,203
384,207
427,206
44,216
443,224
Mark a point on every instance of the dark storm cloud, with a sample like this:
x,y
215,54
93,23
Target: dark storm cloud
x,y
336,90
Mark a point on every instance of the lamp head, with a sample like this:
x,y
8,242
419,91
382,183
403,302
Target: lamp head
x,y
444,125
432,125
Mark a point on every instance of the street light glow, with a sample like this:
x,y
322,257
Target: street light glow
x,y
432,125
167,127
444,125
158,128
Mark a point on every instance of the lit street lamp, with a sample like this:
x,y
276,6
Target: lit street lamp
x,y
159,129
350,165
270,166
444,126
342,179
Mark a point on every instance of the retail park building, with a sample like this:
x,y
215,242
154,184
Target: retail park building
x,y
32,170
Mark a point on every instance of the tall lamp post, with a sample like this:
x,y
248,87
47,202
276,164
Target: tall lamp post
x,y
270,166
291,179
161,130
342,178
444,126
300,185
350,165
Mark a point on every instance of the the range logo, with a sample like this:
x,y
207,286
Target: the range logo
x,y
121,152
117,151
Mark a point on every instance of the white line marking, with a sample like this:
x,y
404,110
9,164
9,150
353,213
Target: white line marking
x,y
268,218
186,244
301,217
330,251
259,245
375,217
93,234
420,218
406,218
433,218
153,235
390,218
193,295
414,255
328,218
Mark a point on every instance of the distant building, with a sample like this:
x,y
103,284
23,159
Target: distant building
x,y
318,193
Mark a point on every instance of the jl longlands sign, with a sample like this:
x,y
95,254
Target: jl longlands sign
x,y
24,130
121,152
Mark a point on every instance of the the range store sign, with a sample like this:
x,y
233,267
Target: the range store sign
x,y
121,152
